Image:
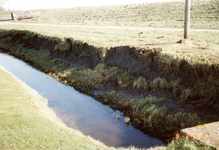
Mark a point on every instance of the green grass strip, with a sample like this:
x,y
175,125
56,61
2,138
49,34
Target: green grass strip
x,y
27,123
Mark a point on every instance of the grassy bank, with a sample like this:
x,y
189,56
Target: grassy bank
x,y
27,123
204,14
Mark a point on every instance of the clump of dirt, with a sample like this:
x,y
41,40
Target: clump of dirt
x,y
41,43
78,55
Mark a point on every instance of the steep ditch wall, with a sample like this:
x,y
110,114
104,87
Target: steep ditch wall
x,y
148,63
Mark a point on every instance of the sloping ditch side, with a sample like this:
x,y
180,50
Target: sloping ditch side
x,y
143,83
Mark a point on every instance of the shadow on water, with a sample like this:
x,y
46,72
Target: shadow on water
x,y
79,111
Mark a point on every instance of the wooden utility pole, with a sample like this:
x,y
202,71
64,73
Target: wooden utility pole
x,y
187,20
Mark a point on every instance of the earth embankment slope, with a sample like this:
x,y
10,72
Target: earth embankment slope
x,y
147,62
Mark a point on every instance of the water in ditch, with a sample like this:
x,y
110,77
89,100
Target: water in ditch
x,y
79,111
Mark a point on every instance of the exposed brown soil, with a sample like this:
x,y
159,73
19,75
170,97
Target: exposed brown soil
x,y
144,62
79,55
141,62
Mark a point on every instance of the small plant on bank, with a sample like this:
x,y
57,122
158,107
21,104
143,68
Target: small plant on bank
x,y
84,53
216,107
175,87
125,79
185,94
140,83
187,144
62,47
159,83
147,102
100,67
83,77
203,93
121,77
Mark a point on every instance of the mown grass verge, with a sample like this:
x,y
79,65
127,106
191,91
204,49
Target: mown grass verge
x,y
144,114
27,123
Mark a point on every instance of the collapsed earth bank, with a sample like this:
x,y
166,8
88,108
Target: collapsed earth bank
x,y
150,87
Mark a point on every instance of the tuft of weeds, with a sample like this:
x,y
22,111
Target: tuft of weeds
x,y
82,77
186,93
175,87
121,77
140,83
124,79
149,53
84,53
147,102
101,68
204,93
187,144
159,83
62,47
77,42
97,78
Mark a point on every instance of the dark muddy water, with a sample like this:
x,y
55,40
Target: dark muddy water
x,y
79,111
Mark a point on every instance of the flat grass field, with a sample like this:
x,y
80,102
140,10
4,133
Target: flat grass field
x,y
204,15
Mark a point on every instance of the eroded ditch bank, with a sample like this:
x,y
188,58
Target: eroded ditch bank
x,y
151,88
80,111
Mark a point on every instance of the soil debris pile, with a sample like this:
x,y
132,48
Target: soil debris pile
x,y
77,54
